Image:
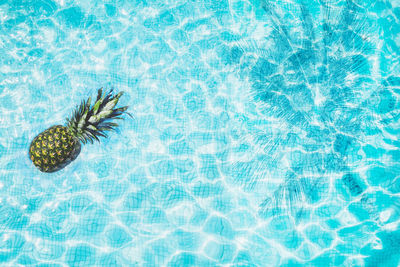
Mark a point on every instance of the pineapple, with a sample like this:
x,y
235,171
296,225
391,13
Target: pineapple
x,y
59,145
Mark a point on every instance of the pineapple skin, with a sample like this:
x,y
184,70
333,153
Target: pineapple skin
x,y
54,148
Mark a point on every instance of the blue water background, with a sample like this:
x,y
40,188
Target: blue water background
x,y
264,133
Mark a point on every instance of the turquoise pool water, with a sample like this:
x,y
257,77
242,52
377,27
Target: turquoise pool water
x,y
263,133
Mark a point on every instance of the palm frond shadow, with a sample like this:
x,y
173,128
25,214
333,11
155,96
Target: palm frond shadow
x,y
316,79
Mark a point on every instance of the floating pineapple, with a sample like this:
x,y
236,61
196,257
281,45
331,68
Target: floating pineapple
x,y
57,146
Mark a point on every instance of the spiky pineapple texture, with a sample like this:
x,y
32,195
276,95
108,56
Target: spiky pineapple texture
x,y
54,148
57,146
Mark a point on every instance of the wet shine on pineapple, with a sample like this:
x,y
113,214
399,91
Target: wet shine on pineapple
x,y
59,145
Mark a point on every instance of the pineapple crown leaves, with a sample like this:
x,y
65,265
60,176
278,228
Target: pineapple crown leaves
x,y
88,122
